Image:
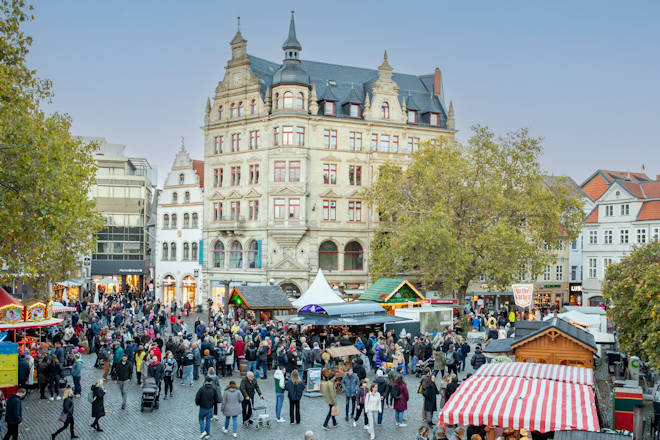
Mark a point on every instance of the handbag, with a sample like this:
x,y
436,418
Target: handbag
x,y
334,411
63,417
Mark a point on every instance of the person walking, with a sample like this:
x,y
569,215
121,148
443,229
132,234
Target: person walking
x,y
232,400
67,414
188,365
251,357
430,392
206,398
124,372
350,384
279,393
169,367
54,372
330,394
452,360
361,399
139,362
295,388
478,359
215,381
249,387
156,370
42,376
400,393
76,374
439,361
383,389
373,406
98,408
14,414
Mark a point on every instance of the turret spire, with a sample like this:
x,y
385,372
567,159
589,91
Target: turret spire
x,y
292,46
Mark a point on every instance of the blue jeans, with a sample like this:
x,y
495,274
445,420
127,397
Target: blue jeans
x,y
76,385
382,410
279,400
350,399
252,366
205,420
187,374
262,365
234,420
463,364
398,416
413,365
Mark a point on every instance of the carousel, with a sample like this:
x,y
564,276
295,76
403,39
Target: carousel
x,y
19,317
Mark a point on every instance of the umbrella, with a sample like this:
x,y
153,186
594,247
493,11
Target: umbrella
x,y
107,281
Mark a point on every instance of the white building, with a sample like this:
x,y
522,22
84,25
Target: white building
x,y
626,214
179,232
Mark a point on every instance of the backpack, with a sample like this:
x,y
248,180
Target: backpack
x,y
449,358
396,392
169,368
90,396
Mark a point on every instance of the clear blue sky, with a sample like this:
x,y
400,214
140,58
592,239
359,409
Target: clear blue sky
x,y
583,75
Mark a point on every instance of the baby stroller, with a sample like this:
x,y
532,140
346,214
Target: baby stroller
x,y
149,394
64,375
263,418
423,365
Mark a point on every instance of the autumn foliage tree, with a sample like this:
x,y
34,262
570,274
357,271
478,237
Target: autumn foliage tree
x,y
632,288
47,219
460,211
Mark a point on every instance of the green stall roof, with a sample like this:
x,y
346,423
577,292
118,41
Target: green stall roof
x,y
385,290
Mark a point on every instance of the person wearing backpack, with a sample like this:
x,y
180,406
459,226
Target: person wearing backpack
x,y
400,393
452,360
439,361
188,365
169,368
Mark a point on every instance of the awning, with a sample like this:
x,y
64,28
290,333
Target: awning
x,y
21,325
537,398
349,320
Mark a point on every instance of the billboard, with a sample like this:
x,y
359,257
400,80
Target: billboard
x,y
523,294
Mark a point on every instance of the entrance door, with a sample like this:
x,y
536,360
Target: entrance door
x,y
169,289
190,290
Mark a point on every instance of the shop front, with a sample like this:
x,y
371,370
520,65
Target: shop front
x,y
189,292
548,295
575,294
129,274
169,289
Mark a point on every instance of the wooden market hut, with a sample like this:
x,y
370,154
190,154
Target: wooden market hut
x,y
265,301
393,293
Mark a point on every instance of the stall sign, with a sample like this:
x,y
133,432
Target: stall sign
x,y
314,380
523,294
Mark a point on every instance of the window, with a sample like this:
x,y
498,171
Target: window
x,y
186,197
329,210
624,236
217,211
329,173
173,223
353,256
412,116
355,141
355,110
374,142
395,144
300,136
234,110
606,262
546,273
559,272
355,175
173,251
593,237
253,210
609,210
385,110
166,221
641,236
328,256
253,107
354,211
186,221
235,142
276,136
235,176
280,209
175,198
656,234
300,101
193,251
165,251
294,209
287,135
279,171
253,254
607,237
329,108
235,211
288,100
217,142
182,179
625,209
240,109
195,220
218,254
236,255
217,177
186,252
294,171
413,144
330,139
593,268
435,119
384,143
254,140
574,245
254,174
574,273
220,112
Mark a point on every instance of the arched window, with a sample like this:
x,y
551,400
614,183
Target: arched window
x,y
166,221
173,221
234,113
253,254
353,254
253,107
182,179
218,254
300,101
195,220
165,251
236,255
277,100
220,111
328,256
186,220
186,197
175,198
173,251
288,100
186,252
385,111
193,253
240,109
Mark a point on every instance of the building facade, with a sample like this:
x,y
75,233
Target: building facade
x,y
179,225
124,193
288,149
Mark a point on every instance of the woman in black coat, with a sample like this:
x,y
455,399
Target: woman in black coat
x,y
67,410
98,410
430,391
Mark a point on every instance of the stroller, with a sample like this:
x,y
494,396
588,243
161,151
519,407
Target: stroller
x,y
149,395
423,365
64,375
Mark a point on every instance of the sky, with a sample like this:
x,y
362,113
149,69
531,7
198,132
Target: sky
x,y
584,76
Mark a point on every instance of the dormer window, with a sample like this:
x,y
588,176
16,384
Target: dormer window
x,y
300,101
288,100
435,119
329,108
385,111
412,116
253,107
355,110
220,112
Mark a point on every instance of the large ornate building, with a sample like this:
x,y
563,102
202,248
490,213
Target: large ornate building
x,y
288,148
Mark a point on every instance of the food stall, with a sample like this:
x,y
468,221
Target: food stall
x,y
259,303
34,314
393,293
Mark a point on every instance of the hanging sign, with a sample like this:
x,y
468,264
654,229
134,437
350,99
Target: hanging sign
x,y
523,294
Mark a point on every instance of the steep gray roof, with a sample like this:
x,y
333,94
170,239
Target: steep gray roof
x,y
264,297
498,346
564,327
523,328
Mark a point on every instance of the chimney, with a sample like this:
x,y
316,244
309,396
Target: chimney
x,y
657,177
437,82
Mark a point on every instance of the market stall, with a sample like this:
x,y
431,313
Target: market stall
x,y
354,313
393,293
20,317
319,292
259,303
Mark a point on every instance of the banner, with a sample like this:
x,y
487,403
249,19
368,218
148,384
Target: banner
x,y
314,379
523,294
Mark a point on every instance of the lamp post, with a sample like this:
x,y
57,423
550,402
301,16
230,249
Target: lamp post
x,y
227,297
210,304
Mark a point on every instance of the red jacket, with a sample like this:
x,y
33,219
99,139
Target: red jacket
x,y
239,348
401,404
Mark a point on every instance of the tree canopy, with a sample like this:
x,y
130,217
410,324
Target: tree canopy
x,y
460,211
46,214
632,288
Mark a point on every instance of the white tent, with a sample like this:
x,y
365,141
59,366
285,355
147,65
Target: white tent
x,y
595,322
319,292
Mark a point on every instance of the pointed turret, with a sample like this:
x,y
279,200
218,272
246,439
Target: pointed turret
x,y
238,44
451,122
291,41
292,70
208,105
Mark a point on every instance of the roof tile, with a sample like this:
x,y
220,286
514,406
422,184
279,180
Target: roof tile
x,y
650,211
593,216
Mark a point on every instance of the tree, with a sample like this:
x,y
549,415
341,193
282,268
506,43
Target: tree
x,y
458,212
632,288
46,215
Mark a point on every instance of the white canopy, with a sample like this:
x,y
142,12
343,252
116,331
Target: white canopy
x,y
595,322
319,292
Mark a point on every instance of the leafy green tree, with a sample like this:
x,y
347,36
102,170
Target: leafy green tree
x,y
47,219
461,211
632,288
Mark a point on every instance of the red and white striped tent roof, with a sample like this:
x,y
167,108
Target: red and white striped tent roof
x,y
536,397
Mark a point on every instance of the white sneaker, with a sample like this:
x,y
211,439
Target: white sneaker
x,y
58,398
373,437
224,431
51,399
366,427
234,435
402,425
354,423
397,424
281,421
202,435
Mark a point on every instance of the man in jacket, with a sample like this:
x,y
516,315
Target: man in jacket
x,y
206,398
14,415
156,370
124,372
418,353
76,374
262,358
251,357
248,387
350,384
330,394
478,359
